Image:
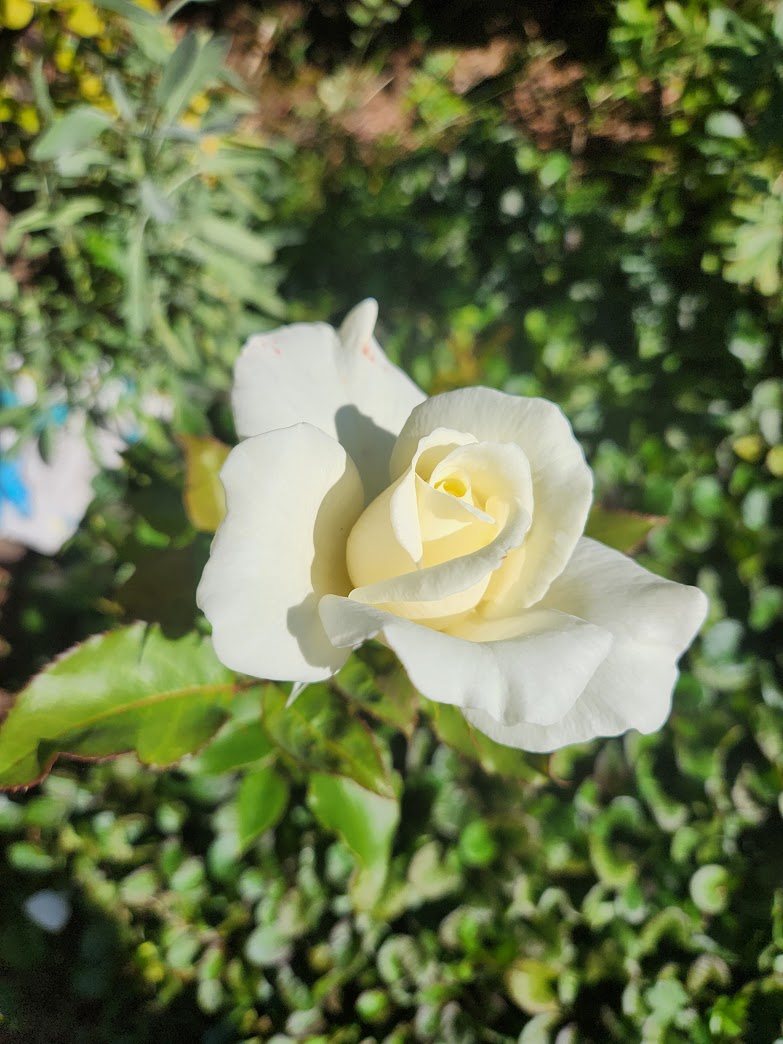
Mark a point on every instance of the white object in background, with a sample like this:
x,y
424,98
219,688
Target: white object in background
x,y
48,909
42,503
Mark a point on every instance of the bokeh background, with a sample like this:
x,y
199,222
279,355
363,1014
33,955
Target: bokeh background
x,y
581,200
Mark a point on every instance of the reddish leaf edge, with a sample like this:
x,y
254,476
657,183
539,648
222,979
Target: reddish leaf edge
x,y
240,685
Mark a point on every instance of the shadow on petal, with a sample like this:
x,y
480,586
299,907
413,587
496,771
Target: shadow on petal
x,y
339,510
368,445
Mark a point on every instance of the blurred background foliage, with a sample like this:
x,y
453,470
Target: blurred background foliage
x,y
582,201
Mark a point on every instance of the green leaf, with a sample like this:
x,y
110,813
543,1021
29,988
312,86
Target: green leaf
x,y
319,731
137,305
431,875
622,530
267,945
133,12
39,218
80,126
240,279
724,124
194,68
130,689
150,38
234,747
76,164
169,93
666,998
365,821
125,107
756,253
155,203
388,696
233,238
262,799
709,888
205,501
677,18
532,985
43,99
455,731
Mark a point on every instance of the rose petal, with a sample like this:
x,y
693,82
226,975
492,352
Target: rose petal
x,y
292,496
404,503
460,572
536,675
562,481
652,620
340,382
433,591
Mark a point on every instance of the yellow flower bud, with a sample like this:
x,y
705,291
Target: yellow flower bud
x,y
27,119
91,86
84,20
16,14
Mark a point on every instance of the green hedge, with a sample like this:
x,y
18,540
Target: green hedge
x,y
628,267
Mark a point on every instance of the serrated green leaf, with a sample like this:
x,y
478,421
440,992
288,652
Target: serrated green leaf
x,y
623,530
234,747
364,820
77,128
205,501
130,689
262,799
319,731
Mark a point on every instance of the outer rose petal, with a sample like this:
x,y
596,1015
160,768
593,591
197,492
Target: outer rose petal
x,y
292,497
562,481
340,382
536,675
653,621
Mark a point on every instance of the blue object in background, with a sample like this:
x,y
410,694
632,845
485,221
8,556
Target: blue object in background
x,y
12,485
13,489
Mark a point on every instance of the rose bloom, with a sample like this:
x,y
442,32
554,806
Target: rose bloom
x,y
450,527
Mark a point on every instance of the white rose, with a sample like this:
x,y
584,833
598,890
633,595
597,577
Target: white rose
x,y
450,526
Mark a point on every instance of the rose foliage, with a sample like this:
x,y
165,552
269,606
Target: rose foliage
x,y
451,526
